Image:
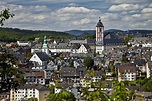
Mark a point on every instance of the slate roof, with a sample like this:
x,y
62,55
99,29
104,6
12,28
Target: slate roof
x,y
63,45
76,46
113,41
68,72
99,24
43,56
86,46
33,86
140,62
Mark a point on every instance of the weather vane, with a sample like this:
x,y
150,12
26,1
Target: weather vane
x,y
99,18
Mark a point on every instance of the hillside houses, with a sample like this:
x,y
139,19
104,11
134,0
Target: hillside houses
x,y
61,63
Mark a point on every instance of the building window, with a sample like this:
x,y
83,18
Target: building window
x,y
100,29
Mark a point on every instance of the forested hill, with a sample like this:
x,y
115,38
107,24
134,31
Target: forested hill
x,y
10,34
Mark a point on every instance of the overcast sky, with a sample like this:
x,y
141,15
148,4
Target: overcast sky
x,y
63,15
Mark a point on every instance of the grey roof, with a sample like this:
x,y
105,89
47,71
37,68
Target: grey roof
x,y
110,35
140,62
43,56
113,41
76,46
33,86
86,46
68,71
99,24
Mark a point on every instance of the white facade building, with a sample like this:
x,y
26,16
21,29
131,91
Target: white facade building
x,y
28,91
23,43
127,73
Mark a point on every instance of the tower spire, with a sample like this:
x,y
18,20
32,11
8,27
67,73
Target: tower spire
x,y
45,43
99,18
45,46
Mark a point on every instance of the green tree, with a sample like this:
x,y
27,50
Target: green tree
x,y
88,62
121,92
7,70
63,95
129,38
124,59
148,86
97,94
91,36
4,15
6,64
32,99
71,64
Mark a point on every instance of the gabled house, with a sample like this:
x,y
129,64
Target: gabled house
x,y
39,60
98,61
60,47
140,64
84,48
77,63
75,47
23,92
52,65
35,77
127,72
68,74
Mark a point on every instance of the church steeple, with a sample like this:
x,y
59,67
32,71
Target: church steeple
x,y
45,43
99,24
99,37
45,46
99,33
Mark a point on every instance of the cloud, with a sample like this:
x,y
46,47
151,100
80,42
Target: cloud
x,y
150,5
41,17
72,14
75,17
127,1
110,17
72,5
125,7
147,10
81,21
2,3
76,10
140,21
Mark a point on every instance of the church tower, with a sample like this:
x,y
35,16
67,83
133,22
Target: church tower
x,y
99,37
45,46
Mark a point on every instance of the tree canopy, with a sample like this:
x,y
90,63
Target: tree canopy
x,y
88,62
4,15
63,95
9,71
148,86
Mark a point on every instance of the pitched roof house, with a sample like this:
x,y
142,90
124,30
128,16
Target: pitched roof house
x,y
127,72
23,92
40,60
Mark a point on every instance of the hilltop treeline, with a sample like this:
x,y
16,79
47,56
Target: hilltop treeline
x,y
14,34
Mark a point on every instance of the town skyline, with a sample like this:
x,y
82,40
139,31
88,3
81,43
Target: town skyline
x,y
78,14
